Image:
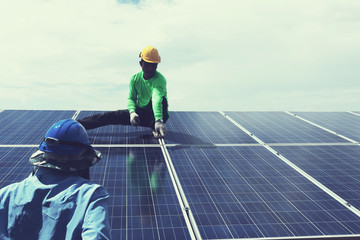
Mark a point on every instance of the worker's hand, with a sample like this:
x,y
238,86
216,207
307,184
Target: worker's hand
x,y
134,119
160,129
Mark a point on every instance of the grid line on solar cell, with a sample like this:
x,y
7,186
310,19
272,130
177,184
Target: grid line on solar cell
x,y
278,127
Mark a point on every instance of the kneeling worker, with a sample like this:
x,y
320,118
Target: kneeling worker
x,y
57,201
147,101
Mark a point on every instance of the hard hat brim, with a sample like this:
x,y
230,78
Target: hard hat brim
x,y
149,61
38,159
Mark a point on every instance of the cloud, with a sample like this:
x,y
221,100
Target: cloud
x,y
216,55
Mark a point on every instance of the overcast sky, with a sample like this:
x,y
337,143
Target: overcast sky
x,y
244,55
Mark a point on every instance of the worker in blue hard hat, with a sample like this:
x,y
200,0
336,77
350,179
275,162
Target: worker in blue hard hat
x,y
147,99
57,201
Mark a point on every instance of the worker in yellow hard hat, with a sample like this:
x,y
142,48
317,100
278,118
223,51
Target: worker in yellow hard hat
x,y
147,100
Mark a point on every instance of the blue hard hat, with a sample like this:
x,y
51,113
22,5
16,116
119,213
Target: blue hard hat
x,y
65,137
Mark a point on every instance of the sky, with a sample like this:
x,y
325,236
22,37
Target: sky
x,y
217,55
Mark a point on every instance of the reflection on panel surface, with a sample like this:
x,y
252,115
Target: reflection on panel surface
x,y
143,202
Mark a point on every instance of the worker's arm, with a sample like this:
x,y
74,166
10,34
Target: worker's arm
x,y
4,212
96,222
132,95
159,91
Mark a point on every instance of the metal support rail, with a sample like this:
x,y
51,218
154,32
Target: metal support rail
x,y
189,217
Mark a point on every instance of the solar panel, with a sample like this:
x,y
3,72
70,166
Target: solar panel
x,y
337,167
343,123
143,201
28,126
14,164
203,128
242,175
279,127
247,192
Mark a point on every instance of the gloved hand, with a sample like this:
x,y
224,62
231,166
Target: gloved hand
x,y
134,119
160,129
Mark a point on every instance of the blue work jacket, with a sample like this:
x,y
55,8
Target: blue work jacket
x,y
54,205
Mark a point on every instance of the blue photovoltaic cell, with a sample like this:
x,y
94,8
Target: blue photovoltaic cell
x,y
203,128
279,127
336,167
118,134
143,202
28,126
344,123
14,164
243,192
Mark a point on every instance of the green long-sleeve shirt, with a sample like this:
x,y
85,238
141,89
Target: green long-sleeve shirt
x,y
141,91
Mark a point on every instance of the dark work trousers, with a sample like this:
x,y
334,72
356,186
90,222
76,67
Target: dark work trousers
x,y
122,117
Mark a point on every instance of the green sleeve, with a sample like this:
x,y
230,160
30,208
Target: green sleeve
x,y
132,95
159,91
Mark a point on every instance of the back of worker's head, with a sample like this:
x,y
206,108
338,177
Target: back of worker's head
x,y
66,147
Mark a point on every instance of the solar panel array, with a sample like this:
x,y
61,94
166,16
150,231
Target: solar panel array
x,y
216,175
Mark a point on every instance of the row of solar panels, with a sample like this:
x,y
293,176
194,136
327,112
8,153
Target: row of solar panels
x,y
200,128
233,186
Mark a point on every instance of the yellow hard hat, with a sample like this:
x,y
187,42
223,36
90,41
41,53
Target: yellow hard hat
x,y
150,54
